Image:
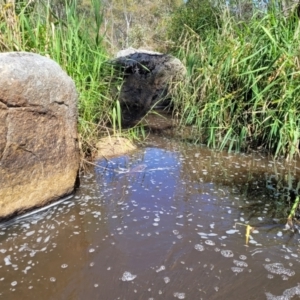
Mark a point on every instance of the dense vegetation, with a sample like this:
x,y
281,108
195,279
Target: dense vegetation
x,y
243,69
68,33
243,79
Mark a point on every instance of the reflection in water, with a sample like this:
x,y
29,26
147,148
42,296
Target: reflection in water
x,y
160,224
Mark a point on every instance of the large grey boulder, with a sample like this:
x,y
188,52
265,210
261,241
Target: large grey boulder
x,y
147,77
39,153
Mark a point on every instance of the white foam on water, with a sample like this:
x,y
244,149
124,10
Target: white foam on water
x,y
251,241
243,257
127,276
199,247
30,233
278,268
179,295
7,260
210,243
227,253
26,269
167,280
161,268
231,231
288,294
64,266
14,283
237,269
240,263
212,234
202,233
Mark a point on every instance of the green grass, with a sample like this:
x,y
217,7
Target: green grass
x,y
75,44
243,77
242,87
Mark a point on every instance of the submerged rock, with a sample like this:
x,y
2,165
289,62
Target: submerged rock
x,y
147,77
112,146
39,153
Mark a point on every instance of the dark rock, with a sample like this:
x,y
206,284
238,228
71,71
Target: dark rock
x,y
147,77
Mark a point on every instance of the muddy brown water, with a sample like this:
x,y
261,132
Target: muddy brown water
x,y
159,223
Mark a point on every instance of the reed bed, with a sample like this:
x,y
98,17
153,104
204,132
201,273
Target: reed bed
x,y
242,85
73,41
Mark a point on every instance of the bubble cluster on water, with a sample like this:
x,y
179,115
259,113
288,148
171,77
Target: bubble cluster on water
x,y
243,257
240,263
287,294
127,276
167,279
161,268
278,268
227,253
199,247
210,243
179,295
64,266
237,269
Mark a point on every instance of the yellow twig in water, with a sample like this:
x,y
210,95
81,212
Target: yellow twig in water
x,y
248,230
248,233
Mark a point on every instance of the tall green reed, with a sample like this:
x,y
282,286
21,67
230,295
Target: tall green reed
x,y
243,84
74,41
